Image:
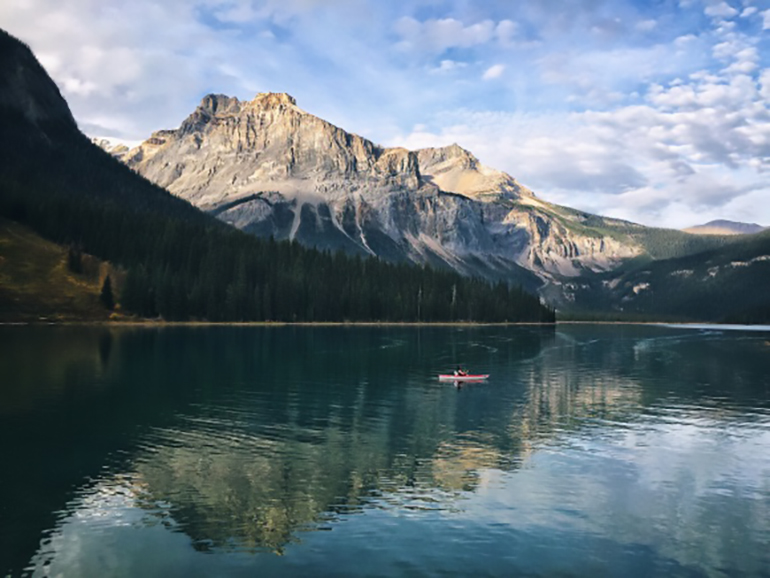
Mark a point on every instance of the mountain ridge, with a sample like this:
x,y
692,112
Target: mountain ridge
x,y
725,227
270,168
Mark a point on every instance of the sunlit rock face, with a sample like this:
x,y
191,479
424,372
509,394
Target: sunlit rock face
x,y
118,150
268,167
455,170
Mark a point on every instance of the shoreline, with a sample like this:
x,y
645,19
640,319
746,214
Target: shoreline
x,y
161,324
152,323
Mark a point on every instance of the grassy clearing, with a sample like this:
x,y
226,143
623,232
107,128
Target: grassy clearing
x,y
35,283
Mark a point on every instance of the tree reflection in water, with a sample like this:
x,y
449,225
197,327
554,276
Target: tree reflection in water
x,y
243,438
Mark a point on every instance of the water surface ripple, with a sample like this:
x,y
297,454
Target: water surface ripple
x,y
334,451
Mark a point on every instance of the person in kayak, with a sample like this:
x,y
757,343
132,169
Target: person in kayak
x,y
460,371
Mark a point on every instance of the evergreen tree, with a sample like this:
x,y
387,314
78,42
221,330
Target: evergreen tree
x,y
106,295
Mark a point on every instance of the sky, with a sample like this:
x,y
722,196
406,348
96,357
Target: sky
x,y
652,111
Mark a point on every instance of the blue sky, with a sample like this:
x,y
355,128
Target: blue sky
x,y
653,111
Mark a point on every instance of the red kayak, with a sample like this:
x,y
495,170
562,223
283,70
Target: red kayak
x,y
468,377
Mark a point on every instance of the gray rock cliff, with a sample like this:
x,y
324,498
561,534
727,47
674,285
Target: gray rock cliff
x,y
270,168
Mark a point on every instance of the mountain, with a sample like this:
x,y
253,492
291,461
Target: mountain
x,y
724,227
43,150
117,150
272,169
726,284
178,262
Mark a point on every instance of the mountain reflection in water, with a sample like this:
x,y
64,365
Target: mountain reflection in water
x,y
246,440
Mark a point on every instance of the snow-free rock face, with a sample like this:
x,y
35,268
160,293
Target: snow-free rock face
x,y
118,150
270,168
228,149
455,170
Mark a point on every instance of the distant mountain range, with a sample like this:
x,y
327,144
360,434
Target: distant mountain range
x,y
724,227
269,168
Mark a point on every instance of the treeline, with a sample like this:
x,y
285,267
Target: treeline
x,y
182,270
669,243
724,285
182,264
659,243
728,284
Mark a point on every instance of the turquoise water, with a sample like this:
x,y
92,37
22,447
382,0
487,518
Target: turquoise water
x,y
334,451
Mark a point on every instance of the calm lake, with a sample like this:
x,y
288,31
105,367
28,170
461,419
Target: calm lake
x,y
592,450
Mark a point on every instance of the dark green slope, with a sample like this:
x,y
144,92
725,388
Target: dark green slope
x,y
729,284
184,264
656,243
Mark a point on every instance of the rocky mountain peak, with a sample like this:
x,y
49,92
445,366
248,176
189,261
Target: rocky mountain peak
x,y
219,103
211,106
228,149
117,150
456,170
215,109
273,100
453,155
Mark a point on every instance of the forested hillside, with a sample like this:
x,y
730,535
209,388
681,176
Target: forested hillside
x,y
656,243
727,284
183,264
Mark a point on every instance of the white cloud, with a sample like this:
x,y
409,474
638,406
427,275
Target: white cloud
x,y
124,68
235,12
695,147
506,31
605,77
646,25
765,20
745,63
494,71
280,11
448,66
128,69
437,35
726,50
721,10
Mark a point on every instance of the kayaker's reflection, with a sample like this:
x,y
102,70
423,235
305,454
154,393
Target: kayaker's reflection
x,y
459,372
